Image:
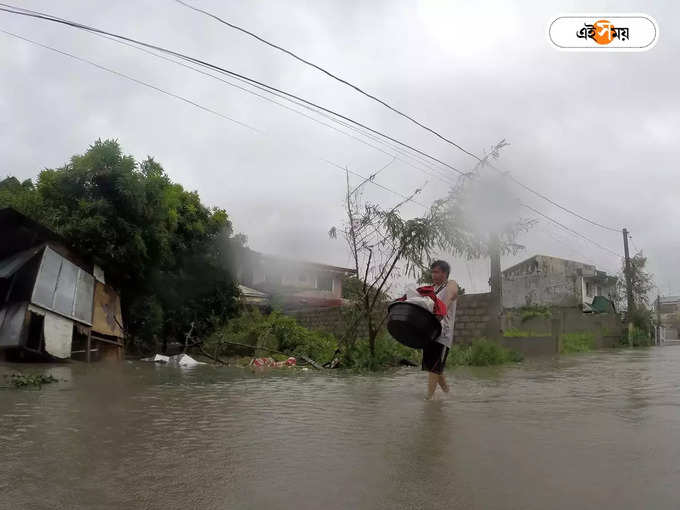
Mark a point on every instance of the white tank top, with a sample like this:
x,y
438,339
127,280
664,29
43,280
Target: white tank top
x,y
446,337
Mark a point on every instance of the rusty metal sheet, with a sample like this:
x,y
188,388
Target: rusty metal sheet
x,y
108,318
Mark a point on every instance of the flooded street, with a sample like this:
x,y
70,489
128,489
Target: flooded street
x,y
592,431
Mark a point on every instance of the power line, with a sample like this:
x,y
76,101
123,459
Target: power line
x,y
328,73
46,17
288,96
637,250
390,107
197,105
547,199
570,230
135,80
572,249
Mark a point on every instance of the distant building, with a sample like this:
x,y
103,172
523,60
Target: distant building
x,y
289,283
54,302
669,315
552,281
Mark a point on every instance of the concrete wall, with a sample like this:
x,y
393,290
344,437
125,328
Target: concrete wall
x,y
533,347
546,281
607,329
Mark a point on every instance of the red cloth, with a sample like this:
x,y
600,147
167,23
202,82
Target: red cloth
x,y
439,309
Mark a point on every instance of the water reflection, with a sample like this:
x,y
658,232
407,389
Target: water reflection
x,y
588,431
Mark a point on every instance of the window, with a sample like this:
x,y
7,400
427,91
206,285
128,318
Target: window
x,y
324,282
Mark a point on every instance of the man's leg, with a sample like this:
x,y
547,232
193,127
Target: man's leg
x,y
432,380
442,382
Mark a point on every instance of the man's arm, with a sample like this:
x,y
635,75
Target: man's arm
x,y
451,293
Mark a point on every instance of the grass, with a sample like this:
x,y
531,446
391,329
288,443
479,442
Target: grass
x,y
577,342
520,333
531,311
481,353
639,338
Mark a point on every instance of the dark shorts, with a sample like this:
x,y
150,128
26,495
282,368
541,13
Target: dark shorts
x,y
434,357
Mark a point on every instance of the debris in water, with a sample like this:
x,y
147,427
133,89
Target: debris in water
x,y
182,360
269,363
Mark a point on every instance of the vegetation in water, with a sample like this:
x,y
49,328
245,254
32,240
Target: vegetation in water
x,y
577,342
19,380
481,353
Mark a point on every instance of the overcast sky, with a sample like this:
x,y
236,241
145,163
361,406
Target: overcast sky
x,y
595,132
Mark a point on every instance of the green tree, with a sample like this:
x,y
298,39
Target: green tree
x,y
383,244
157,243
642,283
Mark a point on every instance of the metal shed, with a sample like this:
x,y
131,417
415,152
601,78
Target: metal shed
x,y
51,304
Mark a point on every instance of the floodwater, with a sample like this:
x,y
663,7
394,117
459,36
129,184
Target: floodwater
x,y
593,431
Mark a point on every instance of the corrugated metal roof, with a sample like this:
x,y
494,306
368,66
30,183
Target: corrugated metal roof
x,y
13,263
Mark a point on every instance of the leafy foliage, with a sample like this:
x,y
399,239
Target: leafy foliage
x,y
273,331
388,353
639,337
642,283
530,311
481,353
157,243
577,342
477,212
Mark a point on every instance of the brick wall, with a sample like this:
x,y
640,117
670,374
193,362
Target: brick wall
x,y
472,317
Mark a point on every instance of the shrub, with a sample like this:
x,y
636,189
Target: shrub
x,y
388,353
577,342
273,331
639,338
531,311
481,353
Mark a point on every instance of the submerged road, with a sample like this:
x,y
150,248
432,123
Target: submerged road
x,y
592,431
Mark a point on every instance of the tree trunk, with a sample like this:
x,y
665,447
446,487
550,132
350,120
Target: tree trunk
x,y
372,334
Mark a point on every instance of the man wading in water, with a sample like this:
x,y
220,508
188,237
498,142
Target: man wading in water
x,y
435,352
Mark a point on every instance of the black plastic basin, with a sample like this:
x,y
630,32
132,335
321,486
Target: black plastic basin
x,y
412,325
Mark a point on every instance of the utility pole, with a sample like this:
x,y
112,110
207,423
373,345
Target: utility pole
x,y
495,282
629,287
658,319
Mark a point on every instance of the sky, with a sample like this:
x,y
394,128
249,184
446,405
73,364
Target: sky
x,y
595,132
